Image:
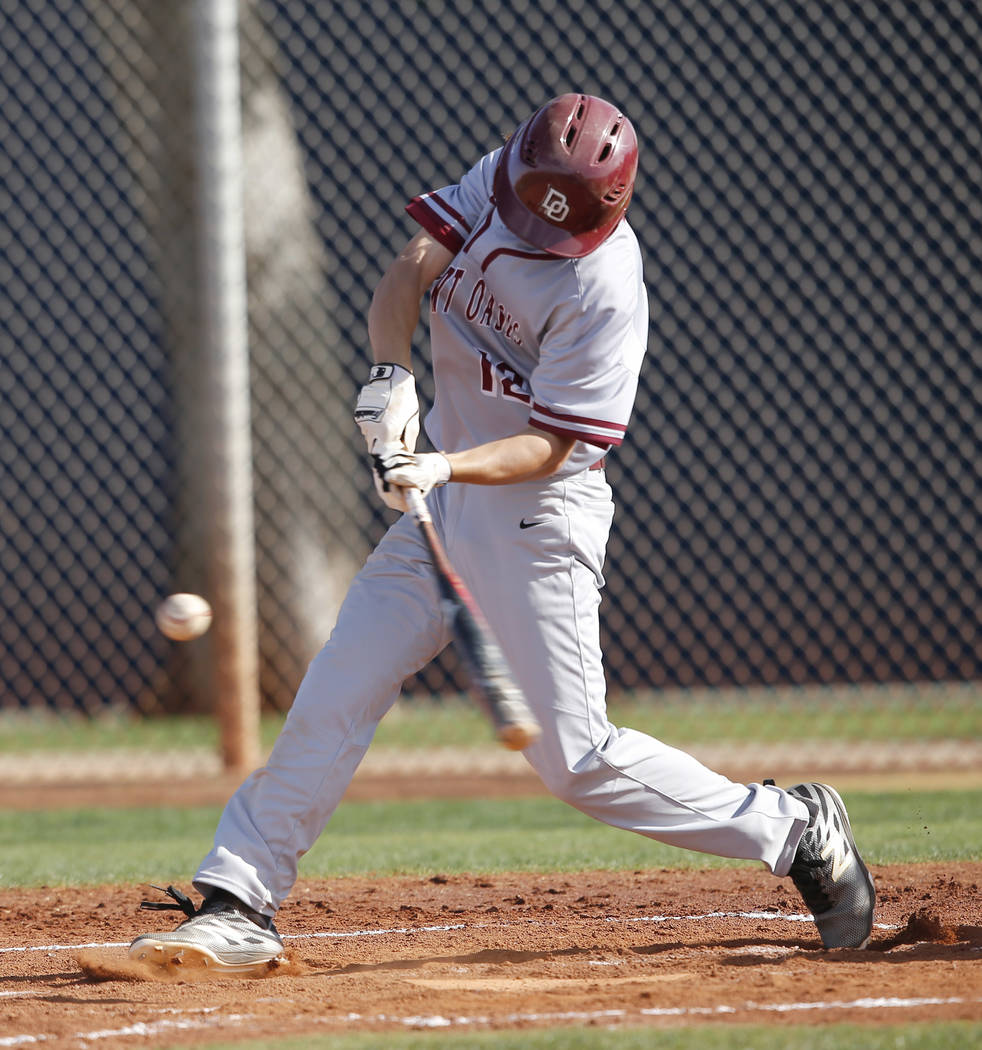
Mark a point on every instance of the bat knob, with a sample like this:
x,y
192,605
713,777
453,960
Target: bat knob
x,y
517,736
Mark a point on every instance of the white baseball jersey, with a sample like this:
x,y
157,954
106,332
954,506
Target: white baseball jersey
x,y
522,337
518,337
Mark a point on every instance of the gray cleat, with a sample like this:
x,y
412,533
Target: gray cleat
x,y
830,874
223,935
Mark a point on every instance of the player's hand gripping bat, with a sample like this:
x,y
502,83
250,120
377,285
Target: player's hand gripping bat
x,y
490,681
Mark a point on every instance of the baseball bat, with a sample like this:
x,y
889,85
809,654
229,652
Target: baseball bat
x,y
490,681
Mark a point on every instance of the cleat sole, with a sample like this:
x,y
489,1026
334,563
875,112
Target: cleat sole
x,y
167,956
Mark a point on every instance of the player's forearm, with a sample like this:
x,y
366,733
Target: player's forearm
x,y
394,311
527,456
392,319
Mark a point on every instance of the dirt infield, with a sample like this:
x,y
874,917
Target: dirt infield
x,y
652,948
649,948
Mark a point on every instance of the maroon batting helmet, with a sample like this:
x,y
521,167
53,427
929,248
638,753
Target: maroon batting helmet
x,y
565,177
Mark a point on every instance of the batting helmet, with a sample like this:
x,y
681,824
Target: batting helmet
x,y
565,177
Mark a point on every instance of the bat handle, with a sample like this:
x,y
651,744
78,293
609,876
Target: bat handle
x,y
416,504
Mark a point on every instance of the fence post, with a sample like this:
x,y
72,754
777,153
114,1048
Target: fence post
x,y
226,459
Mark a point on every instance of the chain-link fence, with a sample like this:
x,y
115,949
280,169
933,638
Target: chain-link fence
x,y
799,494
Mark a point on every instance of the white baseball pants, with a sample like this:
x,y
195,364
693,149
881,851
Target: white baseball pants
x,y
539,589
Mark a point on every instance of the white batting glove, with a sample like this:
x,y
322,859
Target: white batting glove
x,y
396,469
387,409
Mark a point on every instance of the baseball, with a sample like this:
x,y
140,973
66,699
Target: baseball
x,y
182,617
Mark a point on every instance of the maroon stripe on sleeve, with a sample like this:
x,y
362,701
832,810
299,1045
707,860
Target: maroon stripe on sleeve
x,y
588,439
436,204
438,226
590,421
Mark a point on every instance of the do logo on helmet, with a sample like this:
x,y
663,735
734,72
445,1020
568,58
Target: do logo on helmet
x,y
554,205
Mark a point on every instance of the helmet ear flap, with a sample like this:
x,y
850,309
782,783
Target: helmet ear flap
x,y
565,177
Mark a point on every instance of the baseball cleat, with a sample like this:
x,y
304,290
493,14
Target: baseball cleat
x,y
830,874
218,936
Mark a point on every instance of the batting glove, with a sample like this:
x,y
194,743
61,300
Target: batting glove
x,y
387,409
396,469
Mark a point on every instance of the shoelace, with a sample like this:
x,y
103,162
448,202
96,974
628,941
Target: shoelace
x,y
181,902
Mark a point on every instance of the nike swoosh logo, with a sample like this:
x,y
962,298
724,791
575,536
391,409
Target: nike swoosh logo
x,y
523,524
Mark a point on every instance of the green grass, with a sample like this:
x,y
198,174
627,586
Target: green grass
x,y
39,730
80,847
851,713
961,1035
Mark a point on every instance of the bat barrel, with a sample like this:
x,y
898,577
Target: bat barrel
x,y
490,682
518,736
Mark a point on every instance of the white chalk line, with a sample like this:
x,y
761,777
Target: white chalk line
x,y
438,1021
65,947
143,1029
146,1029
413,930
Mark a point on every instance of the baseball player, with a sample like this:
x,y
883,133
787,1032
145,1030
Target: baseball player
x,y
532,280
